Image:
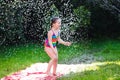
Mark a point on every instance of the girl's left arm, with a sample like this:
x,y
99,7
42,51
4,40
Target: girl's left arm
x,y
63,42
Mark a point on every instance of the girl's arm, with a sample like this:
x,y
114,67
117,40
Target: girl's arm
x,y
50,41
63,42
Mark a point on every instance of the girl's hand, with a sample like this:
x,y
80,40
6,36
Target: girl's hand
x,y
67,43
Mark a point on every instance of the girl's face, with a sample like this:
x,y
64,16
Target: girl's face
x,y
57,24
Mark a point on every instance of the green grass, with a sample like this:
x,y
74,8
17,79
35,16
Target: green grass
x,y
105,72
108,52
15,58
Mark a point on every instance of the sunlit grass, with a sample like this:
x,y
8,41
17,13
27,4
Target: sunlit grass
x,y
105,67
19,57
97,71
15,58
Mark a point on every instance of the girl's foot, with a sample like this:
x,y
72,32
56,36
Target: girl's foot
x,y
54,74
57,74
48,73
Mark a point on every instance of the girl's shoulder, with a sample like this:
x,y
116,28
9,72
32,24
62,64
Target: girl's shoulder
x,y
59,31
50,32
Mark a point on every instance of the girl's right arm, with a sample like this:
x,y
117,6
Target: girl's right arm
x,y
50,41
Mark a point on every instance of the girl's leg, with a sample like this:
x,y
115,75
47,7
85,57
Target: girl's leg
x,y
53,57
49,67
55,63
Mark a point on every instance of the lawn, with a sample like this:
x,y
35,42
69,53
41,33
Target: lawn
x,y
18,57
107,56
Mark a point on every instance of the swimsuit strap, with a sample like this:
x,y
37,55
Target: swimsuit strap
x,y
57,34
54,33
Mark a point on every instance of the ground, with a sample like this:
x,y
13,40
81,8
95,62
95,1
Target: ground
x,y
36,70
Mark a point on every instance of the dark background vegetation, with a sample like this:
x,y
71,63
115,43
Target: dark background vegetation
x,y
23,21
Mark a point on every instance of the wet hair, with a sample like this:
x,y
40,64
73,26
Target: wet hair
x,y
53,20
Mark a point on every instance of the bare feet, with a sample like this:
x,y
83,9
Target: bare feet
x,y
54,74
48,73
57,74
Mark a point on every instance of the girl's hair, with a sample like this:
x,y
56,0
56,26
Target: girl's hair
x,y
53,20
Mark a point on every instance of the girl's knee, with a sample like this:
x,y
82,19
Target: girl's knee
x,y
55,58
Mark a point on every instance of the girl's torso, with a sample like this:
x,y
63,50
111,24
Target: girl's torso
x,y
54,39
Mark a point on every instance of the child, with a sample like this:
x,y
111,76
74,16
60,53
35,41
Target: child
x,y
50,44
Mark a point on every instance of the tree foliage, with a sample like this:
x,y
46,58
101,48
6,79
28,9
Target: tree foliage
x,y
11,19
23,20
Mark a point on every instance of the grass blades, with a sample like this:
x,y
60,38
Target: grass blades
x,y
15,58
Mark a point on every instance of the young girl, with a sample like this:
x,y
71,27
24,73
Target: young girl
x,y
50,44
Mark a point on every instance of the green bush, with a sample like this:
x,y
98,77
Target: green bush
x,y
23,21
82,22
11,27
